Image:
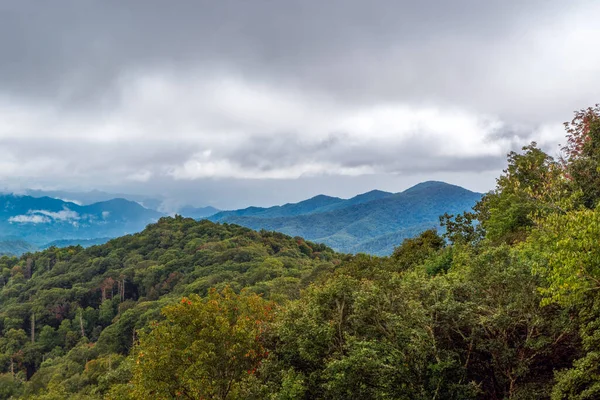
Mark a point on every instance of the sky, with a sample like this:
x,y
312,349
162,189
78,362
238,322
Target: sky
x,y
261,102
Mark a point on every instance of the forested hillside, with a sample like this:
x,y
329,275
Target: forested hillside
x,y
62,308
506,305
374,222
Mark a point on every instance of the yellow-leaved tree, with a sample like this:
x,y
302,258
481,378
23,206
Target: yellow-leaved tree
x,y
205,348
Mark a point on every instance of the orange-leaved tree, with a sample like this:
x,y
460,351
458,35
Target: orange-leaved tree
x,y
581,155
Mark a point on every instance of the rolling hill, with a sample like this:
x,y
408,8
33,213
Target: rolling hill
x,y
374,222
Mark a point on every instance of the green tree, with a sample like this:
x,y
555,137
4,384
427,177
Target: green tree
x,y
366,339
414,251
566,253
529,188
11,345
205,348
9,386
462,228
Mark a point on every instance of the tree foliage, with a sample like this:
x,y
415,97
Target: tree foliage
x,y
204,348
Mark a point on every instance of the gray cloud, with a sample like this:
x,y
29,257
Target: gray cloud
x,y
148,95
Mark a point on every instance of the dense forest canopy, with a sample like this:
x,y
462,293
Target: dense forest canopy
x,y
504,305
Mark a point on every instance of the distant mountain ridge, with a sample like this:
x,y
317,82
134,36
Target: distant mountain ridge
x,y
316,204
16,247
94,196
76,242
197,212
374,222
159,203
40,220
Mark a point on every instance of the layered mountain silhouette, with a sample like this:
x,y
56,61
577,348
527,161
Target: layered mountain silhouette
x,y
15,246
373,222
197,212
42,220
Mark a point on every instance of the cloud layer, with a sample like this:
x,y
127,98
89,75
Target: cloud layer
x,y
150,95
45,217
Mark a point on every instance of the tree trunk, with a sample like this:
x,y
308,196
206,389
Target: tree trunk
x,y
81,323
32,328
28,270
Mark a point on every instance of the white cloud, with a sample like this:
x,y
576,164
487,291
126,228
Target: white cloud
x,y
201,167
140,176
45,216
64,215
30,219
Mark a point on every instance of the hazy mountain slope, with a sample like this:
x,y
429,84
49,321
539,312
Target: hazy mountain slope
x,y
359,199
197,212
317,204
367,226
286,210
75,242
385,244
95,196
16,247
40,220
158,203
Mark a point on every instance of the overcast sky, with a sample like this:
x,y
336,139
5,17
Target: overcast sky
x,y
233,103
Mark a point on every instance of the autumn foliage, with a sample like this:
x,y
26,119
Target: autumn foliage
x,y
578,132
205,348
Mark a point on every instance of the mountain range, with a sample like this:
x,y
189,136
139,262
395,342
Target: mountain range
x,y
374,222
95,196
41,220
158,203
